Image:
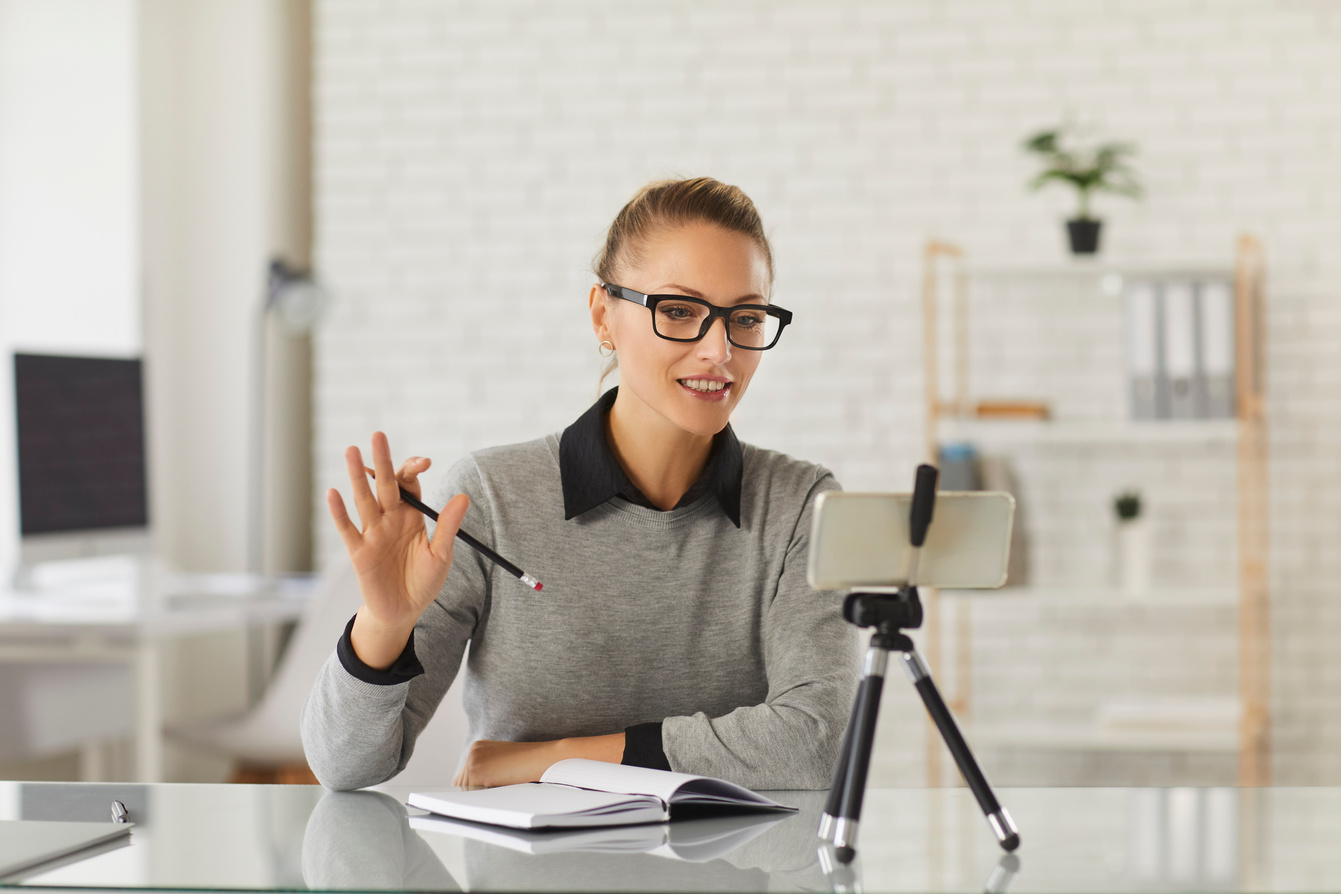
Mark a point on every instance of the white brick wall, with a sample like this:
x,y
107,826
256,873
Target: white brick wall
x,y
470,155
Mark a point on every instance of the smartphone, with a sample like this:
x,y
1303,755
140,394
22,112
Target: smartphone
x,y
862,540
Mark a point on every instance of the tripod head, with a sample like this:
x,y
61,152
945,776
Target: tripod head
x,y
886,612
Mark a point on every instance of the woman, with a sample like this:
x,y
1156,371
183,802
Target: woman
x,y
676,628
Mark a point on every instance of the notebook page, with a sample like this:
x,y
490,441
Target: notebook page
x,y
706,790
529,806
607,777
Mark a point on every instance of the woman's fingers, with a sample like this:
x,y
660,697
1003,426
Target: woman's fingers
x,y
364,501
386,480
449,522
348,533
388,490
408,474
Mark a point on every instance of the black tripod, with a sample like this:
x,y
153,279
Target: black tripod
x,y
890,615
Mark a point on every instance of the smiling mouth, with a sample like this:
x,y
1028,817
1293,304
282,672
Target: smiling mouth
x,y
705,385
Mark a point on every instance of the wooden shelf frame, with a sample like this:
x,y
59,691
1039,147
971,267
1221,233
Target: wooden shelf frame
x,y
1254,598
1254,520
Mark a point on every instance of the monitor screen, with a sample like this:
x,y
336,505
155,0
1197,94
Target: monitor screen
x,y
80,444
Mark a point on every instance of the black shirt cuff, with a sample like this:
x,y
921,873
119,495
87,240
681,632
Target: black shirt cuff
x,y
403,670
642,747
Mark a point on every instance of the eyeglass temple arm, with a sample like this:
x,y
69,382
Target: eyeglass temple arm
x,y
628,294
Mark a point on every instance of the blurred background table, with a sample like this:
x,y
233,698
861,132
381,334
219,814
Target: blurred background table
x,y
93,654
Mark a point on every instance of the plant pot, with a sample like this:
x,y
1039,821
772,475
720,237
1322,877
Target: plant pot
x,y
1133,556
1084,235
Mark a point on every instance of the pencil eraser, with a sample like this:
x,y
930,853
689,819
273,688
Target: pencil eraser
x,y
539,586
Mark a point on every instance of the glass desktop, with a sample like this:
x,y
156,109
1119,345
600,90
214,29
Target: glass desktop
x,y
263,838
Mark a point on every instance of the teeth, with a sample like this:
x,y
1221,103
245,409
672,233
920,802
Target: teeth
x,y
703,384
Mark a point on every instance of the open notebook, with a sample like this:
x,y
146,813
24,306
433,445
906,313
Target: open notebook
x,y
579,792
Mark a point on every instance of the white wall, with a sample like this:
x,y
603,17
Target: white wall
x,y
69,202
469,156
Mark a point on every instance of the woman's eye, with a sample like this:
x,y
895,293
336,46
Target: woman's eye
x,y
747,321
676,311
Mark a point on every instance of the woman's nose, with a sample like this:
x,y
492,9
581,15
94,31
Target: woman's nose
x,y
714,345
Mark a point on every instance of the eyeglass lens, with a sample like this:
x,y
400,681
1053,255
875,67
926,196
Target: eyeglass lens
x,y
747,328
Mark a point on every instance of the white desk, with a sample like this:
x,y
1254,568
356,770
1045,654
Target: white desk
x,y
128,625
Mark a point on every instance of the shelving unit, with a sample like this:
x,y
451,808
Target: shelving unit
x,y
949,405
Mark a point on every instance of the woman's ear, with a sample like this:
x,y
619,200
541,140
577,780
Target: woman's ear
x,y
600,313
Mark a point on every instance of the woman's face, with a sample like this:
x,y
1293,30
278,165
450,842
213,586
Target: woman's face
x,y
700,260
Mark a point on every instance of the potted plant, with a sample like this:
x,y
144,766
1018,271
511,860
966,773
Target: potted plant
x,y
1133,544
1090,169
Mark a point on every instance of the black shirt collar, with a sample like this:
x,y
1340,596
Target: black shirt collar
x,y
591,474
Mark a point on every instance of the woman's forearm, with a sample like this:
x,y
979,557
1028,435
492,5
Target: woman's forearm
x,y
506,763
597,748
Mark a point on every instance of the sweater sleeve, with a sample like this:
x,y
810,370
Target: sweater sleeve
x,y
357,732
791,740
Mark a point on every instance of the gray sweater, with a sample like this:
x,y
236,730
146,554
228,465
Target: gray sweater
x,y
675,616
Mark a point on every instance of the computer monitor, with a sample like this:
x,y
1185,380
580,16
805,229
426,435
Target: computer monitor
x,y
81,457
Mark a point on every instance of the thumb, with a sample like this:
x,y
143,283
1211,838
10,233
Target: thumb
x,y
449,521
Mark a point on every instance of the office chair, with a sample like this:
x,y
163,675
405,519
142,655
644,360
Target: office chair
x,y
265,739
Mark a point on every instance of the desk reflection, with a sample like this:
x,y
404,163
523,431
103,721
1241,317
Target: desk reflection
x,y
366,840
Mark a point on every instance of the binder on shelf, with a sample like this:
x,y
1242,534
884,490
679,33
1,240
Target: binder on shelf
x,y
1216,302
959,467
1143,351
1180,350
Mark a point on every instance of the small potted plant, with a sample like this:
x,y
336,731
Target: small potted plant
x,y
1133,544
1090,169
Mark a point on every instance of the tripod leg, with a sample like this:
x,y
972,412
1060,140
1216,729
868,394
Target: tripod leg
x,y
997,817
840,767
861,733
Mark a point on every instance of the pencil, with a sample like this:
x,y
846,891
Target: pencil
x,y
479,547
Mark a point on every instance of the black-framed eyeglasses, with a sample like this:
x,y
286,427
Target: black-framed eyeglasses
x,y
754,327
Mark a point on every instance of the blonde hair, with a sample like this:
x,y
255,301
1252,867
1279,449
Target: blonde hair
x,y
671,203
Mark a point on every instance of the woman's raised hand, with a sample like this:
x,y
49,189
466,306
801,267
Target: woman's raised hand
x,y
400,569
